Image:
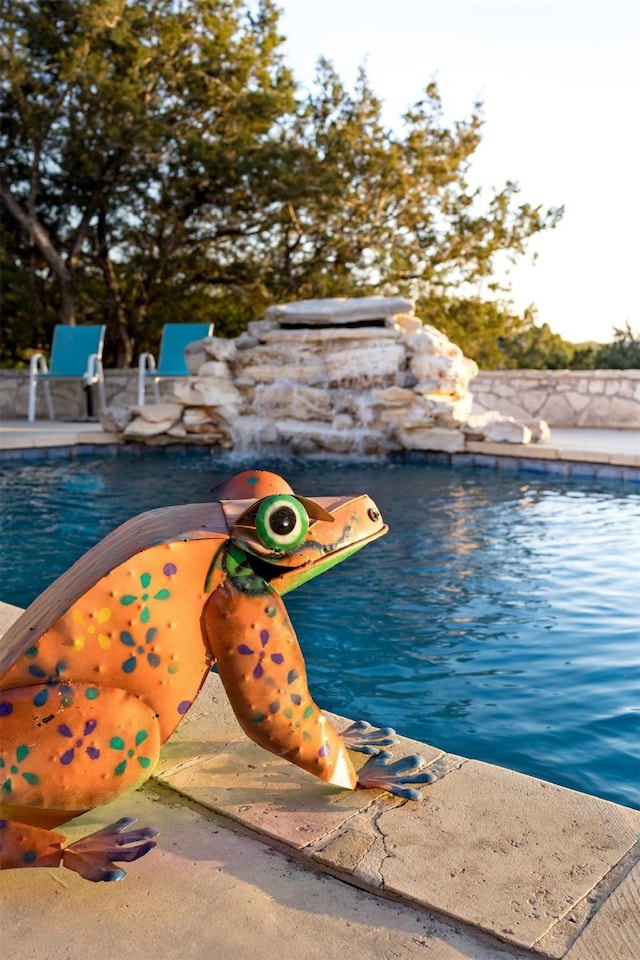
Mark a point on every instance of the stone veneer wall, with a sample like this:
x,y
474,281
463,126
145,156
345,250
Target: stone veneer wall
x,y
69,399
564,398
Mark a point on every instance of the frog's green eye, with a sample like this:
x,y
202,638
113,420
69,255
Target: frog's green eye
x,y
281,522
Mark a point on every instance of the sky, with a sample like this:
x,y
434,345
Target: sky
x,y
560,84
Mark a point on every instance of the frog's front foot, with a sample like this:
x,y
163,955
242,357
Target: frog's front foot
x,y
364,738
93,857
394,776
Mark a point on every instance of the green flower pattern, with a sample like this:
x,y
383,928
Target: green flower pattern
x,y
22,752
117,743
145,597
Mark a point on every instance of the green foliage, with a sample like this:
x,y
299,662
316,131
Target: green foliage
x,y
537,347
160,163
623,353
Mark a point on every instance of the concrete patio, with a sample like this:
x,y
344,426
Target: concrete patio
x,y
257,859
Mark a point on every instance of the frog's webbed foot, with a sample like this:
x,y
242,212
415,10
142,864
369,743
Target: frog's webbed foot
x,y
93,857
364,738
394,776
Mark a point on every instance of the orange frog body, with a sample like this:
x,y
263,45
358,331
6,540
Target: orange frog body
x,y
102,667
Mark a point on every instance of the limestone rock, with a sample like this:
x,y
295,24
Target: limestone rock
x,y
195,354
186,393
177,431
216,392
431,438
475,424
339,310
327,339
256,328
393,396
507,430
428,341
450,411
540,431
282,397
365,366
206,392
440,372
312,374
216,369
220,348
200,421
407,323
115,419
142,429
245,341
417,413
158,412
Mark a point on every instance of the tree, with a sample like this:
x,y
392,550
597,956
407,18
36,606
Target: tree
x,y
131,145
623,353
363,209
537,347
159,163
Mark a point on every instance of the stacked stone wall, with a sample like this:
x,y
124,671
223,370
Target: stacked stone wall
x,y
564,398
606,399
68,397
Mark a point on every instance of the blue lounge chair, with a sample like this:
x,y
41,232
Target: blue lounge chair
x,y
171,362
76,354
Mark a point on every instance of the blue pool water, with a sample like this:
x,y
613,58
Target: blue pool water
x,y
499,619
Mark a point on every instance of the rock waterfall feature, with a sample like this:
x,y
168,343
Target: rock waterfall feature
x,y
360,376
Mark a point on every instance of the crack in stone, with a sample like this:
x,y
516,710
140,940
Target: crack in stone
x,y
375,822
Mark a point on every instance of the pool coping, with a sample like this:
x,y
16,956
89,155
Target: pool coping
x,y
495,864
599,454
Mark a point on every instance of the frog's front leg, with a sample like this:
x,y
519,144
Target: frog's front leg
x,y
362,737
263,672
262,669
396,776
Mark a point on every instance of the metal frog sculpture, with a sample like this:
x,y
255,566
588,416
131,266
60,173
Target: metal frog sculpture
x,y
102,667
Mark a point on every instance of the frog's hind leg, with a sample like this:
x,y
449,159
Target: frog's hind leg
x,y
87,747
23,845
93,857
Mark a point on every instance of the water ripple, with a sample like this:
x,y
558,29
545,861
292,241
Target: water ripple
x,y
499,618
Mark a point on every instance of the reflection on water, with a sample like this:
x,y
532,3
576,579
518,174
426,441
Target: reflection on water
x,y
498,619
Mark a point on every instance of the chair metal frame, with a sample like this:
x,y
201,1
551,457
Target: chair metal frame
x,y
81,360
171,363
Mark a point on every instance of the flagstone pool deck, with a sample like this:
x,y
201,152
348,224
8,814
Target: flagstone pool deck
x,y
257,860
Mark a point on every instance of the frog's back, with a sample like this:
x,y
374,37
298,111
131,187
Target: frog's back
x,y
126,616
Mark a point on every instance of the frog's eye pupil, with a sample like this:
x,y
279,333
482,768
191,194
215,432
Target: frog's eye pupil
x,y
282,520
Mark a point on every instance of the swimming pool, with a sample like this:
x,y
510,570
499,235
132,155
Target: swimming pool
x,y
499,618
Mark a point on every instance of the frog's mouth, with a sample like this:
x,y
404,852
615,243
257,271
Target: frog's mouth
x,y
339,527
285,578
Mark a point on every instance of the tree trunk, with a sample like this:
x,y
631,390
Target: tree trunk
x,y
29,222
125,343
67,309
